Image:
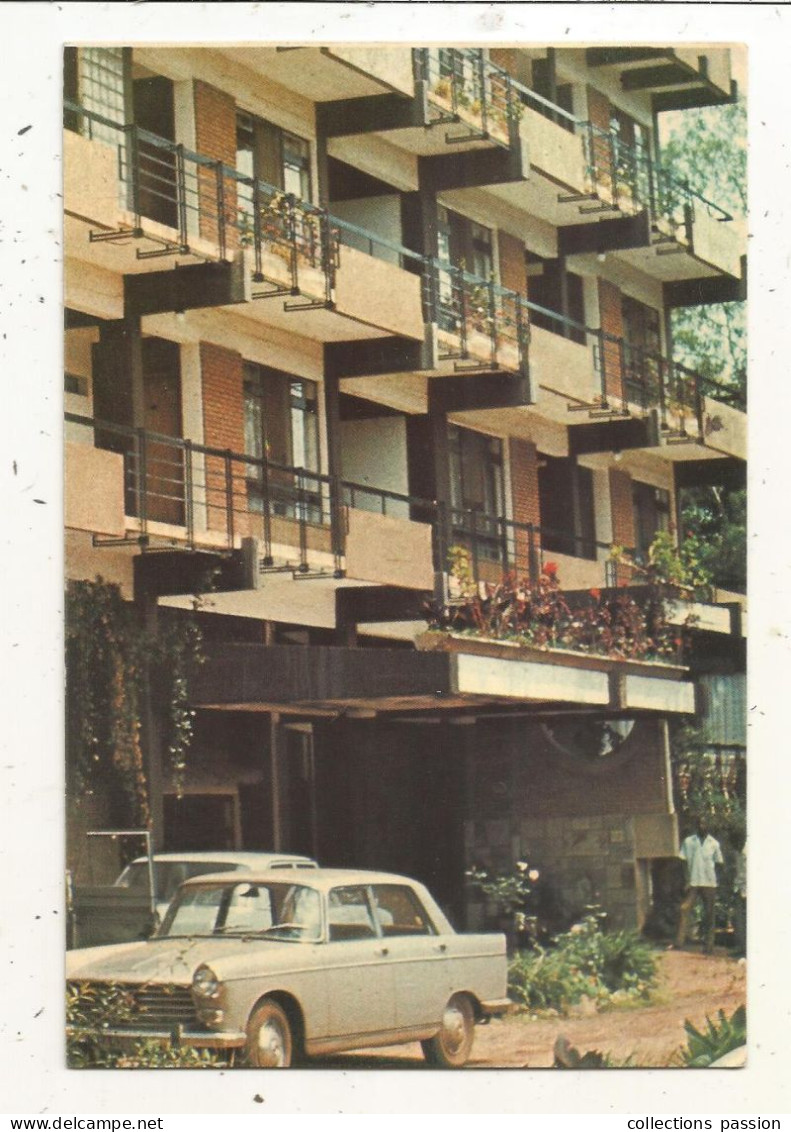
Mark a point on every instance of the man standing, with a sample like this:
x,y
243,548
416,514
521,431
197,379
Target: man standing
x,y
701,854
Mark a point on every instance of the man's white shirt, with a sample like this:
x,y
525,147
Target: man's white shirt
x,y
701,857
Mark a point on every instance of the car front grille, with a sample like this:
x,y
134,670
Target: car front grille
x,y
133,1006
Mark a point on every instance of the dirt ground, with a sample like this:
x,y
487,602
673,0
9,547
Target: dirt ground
x,y
691,985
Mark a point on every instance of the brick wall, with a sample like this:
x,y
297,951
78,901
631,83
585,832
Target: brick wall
x,y
512,263
621,508
599,109
599,112
523,462
610,313
223,427
215,137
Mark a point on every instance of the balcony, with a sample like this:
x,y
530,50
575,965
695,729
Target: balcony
x,y
605,380
470,99
461,120
94,497
364,683
674,78
654,221
339,71
155,491
479,324
260,526
156,201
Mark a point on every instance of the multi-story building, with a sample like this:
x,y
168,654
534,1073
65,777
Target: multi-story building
x,y
333,314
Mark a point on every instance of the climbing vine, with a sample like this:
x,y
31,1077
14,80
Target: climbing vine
x,y
112,661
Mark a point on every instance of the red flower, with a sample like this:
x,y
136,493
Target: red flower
x,y
596,594
678,642
550,569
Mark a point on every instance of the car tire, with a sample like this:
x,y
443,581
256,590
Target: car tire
x,y
270,1041
450,1048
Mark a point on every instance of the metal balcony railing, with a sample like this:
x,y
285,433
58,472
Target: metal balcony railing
x,y
477,318
631,378
195,496
297,248
208,209
466,87
629,179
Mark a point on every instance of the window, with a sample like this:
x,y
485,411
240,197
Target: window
x,y
565,493
476,485
281,428
467,246
651,509
642,351
558,290
272,155
400,912
545,84
94,77
349,914
464,243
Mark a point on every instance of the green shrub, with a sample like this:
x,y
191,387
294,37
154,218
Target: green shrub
x,y
719,1038
583,962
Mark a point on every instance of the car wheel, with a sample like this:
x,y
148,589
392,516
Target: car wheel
x,y
451,1047
270,1043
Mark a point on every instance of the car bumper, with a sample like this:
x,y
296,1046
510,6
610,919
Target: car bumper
x,y
198,1039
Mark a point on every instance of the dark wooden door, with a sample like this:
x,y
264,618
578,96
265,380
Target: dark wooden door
x,y
154,112
164,471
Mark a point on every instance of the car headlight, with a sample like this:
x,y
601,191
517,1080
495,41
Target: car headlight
x,y
205,983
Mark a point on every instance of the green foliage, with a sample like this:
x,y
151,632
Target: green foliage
x,y
93,1009
672,567
707,147
716,519
585,962
510,893
113,663
718,1038
616,623
707,784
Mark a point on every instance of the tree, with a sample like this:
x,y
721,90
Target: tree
x,y
707,148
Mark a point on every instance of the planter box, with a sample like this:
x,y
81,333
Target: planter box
x,y
505,670
434,641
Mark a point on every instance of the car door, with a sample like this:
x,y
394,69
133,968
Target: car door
x,y
359,971
420,958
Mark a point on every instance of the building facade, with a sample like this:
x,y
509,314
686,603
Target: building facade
x,y
337,318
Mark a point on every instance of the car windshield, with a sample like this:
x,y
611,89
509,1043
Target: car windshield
x,y
168,875
271,910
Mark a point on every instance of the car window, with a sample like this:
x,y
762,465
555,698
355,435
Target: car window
x,y
168,875
250,908
400,912
349,914
277,911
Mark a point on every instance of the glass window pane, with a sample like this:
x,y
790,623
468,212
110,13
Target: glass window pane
x,y
400,912
349,914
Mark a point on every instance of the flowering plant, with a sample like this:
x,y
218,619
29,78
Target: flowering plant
x,y
616,623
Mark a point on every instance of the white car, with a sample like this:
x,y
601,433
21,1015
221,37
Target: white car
x,y
136,902
279,967
172,869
